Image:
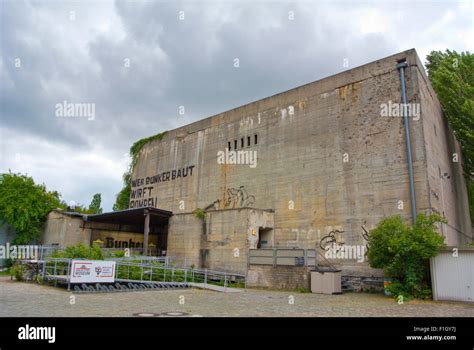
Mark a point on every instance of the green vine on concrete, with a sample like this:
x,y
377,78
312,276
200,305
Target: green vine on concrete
x,y
138,146
199,213
123,197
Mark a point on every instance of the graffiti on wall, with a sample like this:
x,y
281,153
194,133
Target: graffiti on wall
x,y
235,198
332,239
365,236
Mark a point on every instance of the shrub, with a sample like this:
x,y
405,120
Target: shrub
x,y
80,251
9,262
403,250
17,271
119,253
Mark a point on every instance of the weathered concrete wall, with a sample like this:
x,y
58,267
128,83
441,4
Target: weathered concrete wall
x,y
184,237
226,240
220,241
278,277
326,159
65,230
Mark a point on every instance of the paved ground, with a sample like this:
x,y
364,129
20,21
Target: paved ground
x,y
26,299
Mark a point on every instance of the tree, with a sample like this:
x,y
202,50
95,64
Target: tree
x,y
403,251
94,207
25,205
452,77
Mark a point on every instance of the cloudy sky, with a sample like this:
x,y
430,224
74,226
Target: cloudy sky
x,y
138,62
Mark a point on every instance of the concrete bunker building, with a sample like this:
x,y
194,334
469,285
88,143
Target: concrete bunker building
x,y
328,161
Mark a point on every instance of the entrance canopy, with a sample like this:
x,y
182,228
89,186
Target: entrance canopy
x,y
135,216
143,218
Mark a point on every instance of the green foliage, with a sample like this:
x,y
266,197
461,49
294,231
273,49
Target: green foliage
x,y
5,272
25,205
18,271
94,207
199,213
119,254
470,194
138,146
78,208
80,251
8,262
452,77
123,197
402,251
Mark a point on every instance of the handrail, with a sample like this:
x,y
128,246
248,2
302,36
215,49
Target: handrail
x,y
304,254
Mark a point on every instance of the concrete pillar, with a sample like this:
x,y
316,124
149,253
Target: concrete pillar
x,y
146,232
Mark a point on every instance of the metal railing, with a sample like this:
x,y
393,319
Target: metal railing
x,y
133,251
282,257
148,269
45,251
155,273
138,268
157,260
56,270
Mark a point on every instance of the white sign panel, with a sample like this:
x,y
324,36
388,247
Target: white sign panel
x,y
92,271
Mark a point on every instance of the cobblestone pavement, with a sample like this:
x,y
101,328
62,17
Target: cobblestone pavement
x,y
27,299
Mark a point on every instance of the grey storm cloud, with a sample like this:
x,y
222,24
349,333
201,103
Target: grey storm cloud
x,y
79,52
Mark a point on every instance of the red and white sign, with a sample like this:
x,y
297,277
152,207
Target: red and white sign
x,y
92,271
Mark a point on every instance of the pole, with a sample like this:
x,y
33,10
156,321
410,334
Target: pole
x,y
69,275
146,232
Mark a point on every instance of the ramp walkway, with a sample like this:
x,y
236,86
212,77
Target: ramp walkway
x,y
144,274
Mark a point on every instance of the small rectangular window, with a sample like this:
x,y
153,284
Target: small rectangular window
x,y
256,139
228,146
235,144
242,144
248,141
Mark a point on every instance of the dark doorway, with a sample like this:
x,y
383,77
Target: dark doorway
x,y
265,238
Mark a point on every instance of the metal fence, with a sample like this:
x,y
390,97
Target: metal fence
x,y
45,251
56,270
133,251
147,269
282,257
143,272
135,268
153,260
